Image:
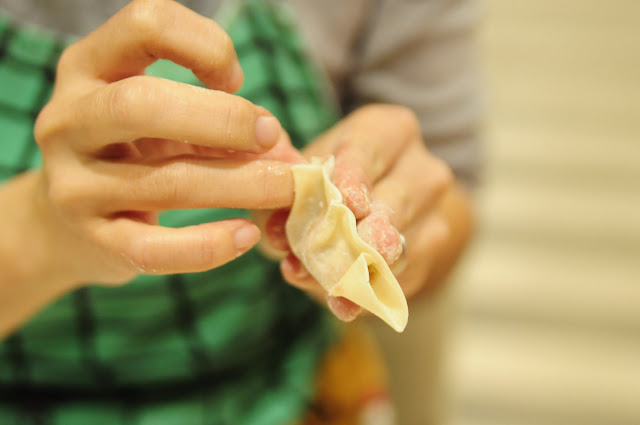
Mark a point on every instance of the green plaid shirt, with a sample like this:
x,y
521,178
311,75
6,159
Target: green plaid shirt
x,y
235,345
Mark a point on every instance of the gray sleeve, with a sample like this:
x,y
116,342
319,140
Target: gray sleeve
x,y
421,54
79,17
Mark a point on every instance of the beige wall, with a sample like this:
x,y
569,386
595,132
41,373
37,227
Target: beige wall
x,y
550,292
549,295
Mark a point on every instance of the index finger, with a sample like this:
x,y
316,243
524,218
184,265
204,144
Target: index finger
x,y
366,144
149,107
147,30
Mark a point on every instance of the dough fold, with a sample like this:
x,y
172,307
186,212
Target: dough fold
x,y
322,233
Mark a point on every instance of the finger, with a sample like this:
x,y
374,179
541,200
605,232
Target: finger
x,y
386,122
296,275
366,145
156,149
189,183
158,250
351,179
275,230
414,184
147,30
294,272
426,238
282,151
149,107
377,231
343,308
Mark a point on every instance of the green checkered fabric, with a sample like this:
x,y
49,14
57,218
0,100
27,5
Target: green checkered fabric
x,y
235,345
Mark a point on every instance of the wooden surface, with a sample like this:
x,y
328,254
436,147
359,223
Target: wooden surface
x,y
550,292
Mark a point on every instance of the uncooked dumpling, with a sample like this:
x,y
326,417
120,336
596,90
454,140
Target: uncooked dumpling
x,y
322,233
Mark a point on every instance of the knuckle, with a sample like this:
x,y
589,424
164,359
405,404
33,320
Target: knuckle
x,y
46,125
276,189
120,101
234,124
54,121
171,181
208,252
140,254
405,117
268,190
41,128
442,177
67,59
232,119
176,173
144,17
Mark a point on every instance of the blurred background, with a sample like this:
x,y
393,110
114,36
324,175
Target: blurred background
x,y
550,291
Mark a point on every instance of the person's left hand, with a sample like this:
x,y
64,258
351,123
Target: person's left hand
x,y
392,184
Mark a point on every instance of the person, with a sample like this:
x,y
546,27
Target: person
x,y
115,312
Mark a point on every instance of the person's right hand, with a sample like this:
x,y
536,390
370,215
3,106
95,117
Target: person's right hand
x,y
120,146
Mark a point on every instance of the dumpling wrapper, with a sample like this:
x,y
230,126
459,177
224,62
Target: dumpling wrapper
x,y
322,233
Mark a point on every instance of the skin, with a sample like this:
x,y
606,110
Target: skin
x,y
393,185
119,147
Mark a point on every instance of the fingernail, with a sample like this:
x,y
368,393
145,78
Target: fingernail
x,y
246,237
267,131
237,77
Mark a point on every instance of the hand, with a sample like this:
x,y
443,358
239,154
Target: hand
x,y
392,184
119,147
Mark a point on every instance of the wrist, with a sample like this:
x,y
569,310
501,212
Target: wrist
x,y
31,275
33,242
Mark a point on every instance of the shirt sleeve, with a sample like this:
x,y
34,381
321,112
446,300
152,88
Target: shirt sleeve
x,y
421,54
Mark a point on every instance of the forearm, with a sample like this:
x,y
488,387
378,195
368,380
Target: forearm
x,y
29,276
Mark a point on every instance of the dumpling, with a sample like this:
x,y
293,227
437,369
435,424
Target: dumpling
x,y
322,233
